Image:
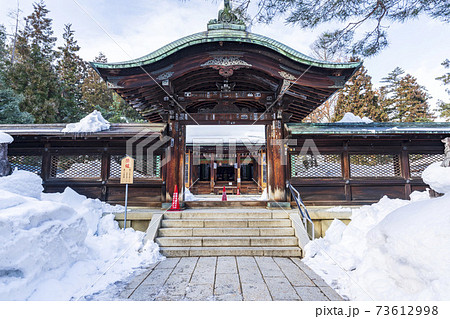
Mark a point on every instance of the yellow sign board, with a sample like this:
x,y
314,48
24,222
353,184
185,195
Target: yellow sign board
x,y
126,170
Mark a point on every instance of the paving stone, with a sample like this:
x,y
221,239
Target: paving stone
x,y
205,271
310,294
176,285
293,273
168,263
331,294
157,278
255,292
203,292
164,297
268,267
145,293
226,265
186,265
227,287
248,271
318,281
137,280
281,289
124,294
308,271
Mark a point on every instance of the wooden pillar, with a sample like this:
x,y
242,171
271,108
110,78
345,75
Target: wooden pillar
x,y
105,171
405,169
276,168
346,172
46,163
175,165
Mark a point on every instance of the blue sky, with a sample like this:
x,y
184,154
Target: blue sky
x,y
135,28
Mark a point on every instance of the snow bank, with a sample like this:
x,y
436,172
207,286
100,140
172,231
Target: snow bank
x,y
264,195
437,177
188,196
5,138
60,246
93,122
352,118
23,183
392,250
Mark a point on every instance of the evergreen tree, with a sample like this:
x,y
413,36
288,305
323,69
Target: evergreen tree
x,y
405,99
95,92
71,71
9,101
445,107
33,74
359,98
97,96
375,15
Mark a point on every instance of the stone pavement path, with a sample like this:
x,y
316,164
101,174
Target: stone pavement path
x,y
229,278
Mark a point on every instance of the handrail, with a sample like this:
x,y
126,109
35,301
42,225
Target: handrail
x,y
303,211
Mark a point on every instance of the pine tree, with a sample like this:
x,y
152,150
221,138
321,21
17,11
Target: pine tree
x,y
405,99
95,93
97,96
359,98
9,100
71,71
445,107
34,75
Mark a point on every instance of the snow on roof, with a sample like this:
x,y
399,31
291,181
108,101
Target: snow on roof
x,y
5,138
204,134
93,122
352,118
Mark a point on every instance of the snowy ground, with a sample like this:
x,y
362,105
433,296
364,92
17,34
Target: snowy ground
x,y
392,250
63,246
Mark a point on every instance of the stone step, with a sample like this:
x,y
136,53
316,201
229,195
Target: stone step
x,y
223,214
225,232
231,251
225,223
227,241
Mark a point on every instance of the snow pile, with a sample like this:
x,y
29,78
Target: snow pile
x,y
5,138
23,183
60,246
93,122
392,250
188,196
264,195
352,118
437,177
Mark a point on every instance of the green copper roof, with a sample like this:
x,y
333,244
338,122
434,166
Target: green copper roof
x,y
370,128
227,33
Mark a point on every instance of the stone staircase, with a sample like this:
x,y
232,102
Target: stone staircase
x,y
228,232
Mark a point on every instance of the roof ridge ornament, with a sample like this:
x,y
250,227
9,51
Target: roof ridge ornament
x,y
226,19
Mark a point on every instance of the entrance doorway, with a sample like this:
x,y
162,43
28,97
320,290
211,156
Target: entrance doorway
x,y
230,156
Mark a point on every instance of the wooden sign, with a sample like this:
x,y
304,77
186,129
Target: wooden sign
x,y
126,170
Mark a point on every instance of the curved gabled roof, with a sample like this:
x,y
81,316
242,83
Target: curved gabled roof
x,y
225,35
225,70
